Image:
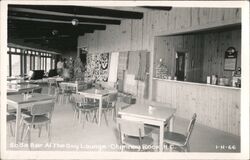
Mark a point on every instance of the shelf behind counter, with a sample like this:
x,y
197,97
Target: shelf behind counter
x,y
216,106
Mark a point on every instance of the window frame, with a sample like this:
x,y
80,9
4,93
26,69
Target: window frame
x,y
33,55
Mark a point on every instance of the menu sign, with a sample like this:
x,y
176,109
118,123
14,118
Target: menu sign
x,y
230,59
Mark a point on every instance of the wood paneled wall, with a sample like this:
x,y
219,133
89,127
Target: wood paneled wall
x,y
206,50
139,34
166,48
217,107
215,45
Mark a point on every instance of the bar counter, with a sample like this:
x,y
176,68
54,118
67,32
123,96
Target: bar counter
x,y
216,106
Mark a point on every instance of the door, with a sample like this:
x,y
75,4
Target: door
x,y
180,66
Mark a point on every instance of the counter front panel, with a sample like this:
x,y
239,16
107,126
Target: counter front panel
x,y
216,106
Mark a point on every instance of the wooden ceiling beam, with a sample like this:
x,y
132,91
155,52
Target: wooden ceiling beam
x,y
62,18
60,30
82,10
26,34
164,8
41,23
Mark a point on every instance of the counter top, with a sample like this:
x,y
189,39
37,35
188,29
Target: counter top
x,y
195,83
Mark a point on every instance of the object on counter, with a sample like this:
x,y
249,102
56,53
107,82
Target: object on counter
x,y
224,82
208,79
238,83
214,79
234,80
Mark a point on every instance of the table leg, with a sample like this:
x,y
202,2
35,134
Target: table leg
x,y
171,128
161,137
100,112
18,117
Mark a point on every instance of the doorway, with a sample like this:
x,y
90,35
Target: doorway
x,y
180,66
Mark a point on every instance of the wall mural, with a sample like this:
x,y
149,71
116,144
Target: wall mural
x,y
97,67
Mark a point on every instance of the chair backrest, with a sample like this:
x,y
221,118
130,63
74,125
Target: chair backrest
x,y
130,128
190,127
42,108
38,90
51,81
62,86
113,98
77,98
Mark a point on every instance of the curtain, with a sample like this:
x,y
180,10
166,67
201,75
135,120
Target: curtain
x,y
113,67
133,62
123,61
143,66
122,65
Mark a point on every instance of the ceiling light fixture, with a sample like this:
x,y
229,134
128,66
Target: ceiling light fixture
x,y
75,22
54,32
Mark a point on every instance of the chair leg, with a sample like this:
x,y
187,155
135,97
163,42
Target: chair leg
x,y
40,130
105,117
82,119
94,116
21,121
22,132
49,132
29,137
80,116
11,129
74,116
187,148
114,114
87,115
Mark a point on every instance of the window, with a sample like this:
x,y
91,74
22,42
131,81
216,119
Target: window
x,y
21,61
48,64
27,63
13,50
37,63
15,65
42,63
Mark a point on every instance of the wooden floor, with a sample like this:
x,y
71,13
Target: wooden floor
x,y
70,136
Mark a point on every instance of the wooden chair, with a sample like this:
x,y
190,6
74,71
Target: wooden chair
x,y
11,119
180,140
83,109
134,135
12,111
41,114
109,105
52,85
112,104
77,103
64,93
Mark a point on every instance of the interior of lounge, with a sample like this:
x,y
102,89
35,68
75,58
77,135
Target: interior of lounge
x,y
122,79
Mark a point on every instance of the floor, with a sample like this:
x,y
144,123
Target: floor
x,y
72,136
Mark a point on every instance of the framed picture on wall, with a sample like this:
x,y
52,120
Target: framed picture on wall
x,y
230,59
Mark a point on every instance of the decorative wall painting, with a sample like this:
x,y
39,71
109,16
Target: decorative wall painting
x,y
97,67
